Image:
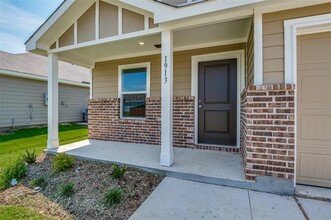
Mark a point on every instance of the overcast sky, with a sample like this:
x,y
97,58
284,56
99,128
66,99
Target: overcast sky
x,y
19,19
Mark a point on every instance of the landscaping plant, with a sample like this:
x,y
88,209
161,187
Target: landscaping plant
x,y
39,182
15,169
118,171
29,157
113,196
62,162
67,189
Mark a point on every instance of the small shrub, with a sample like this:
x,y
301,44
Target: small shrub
x,y
67,189
118,171
132,194
62,162
113,196
29,157
39,181
15,169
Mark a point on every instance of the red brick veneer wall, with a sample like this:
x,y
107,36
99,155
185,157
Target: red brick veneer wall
x,y
267,131
105,123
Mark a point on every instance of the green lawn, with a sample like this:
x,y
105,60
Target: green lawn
x,y
17,213
15,143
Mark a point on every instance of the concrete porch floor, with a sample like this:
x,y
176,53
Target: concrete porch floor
x,y
213,167
200,164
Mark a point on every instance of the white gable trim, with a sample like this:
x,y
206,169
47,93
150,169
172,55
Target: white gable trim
x,y
108,40
31,44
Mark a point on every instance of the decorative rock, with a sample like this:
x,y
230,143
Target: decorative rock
x,y
77,169
13,182
37,189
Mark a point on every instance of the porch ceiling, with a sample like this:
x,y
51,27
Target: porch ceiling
x,y
194,37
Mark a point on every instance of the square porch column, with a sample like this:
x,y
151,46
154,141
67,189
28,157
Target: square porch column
x,y
53,102
166,98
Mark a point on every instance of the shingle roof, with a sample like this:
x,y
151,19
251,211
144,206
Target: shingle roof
x,y
36,64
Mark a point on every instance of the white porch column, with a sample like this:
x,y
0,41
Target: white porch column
x,y
53,102
258,48
166,98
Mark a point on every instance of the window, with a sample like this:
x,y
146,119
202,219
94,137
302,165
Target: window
x,y
133,89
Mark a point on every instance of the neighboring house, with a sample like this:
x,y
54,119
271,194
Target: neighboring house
x,y
247,76
23,90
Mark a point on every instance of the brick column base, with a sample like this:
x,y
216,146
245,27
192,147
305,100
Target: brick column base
x,y
267,131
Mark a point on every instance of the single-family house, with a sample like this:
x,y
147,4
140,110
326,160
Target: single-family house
x,y
23,90
246,76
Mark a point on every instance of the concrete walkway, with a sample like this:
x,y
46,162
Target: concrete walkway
x,y
181,199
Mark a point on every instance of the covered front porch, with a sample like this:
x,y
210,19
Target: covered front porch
x,y
171,56
189,162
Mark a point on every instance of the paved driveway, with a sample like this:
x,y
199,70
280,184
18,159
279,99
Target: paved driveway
x,y
180,199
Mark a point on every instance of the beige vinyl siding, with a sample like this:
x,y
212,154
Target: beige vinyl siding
x,y
250,57
105,74
132,21
273,39
108,20
86,26
17,93
67,38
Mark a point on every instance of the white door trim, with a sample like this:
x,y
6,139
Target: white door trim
x,y
293,28
237,54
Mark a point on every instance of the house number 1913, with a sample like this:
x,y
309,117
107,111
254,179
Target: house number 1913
x,y
165,70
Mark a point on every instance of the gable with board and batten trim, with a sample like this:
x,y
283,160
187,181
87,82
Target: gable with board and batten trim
x,y
102,20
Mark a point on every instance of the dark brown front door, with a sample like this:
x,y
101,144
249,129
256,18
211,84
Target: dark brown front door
x,y
217,102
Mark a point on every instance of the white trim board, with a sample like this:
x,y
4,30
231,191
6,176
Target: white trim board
x,y
39,78
111,39
176,49
237,54
293,28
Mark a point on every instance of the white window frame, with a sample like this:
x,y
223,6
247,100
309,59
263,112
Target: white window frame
x,y
146,65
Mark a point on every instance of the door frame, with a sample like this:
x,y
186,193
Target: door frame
x,y
195,60
292,29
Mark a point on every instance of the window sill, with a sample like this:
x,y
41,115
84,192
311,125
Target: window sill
x,y
132,119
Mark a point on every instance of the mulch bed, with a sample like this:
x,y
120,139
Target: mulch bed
x,y
92,180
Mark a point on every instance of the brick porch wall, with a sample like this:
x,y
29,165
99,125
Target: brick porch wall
x,y
105,124
267,131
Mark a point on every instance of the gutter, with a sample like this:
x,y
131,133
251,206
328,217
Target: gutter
x,y
17,74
